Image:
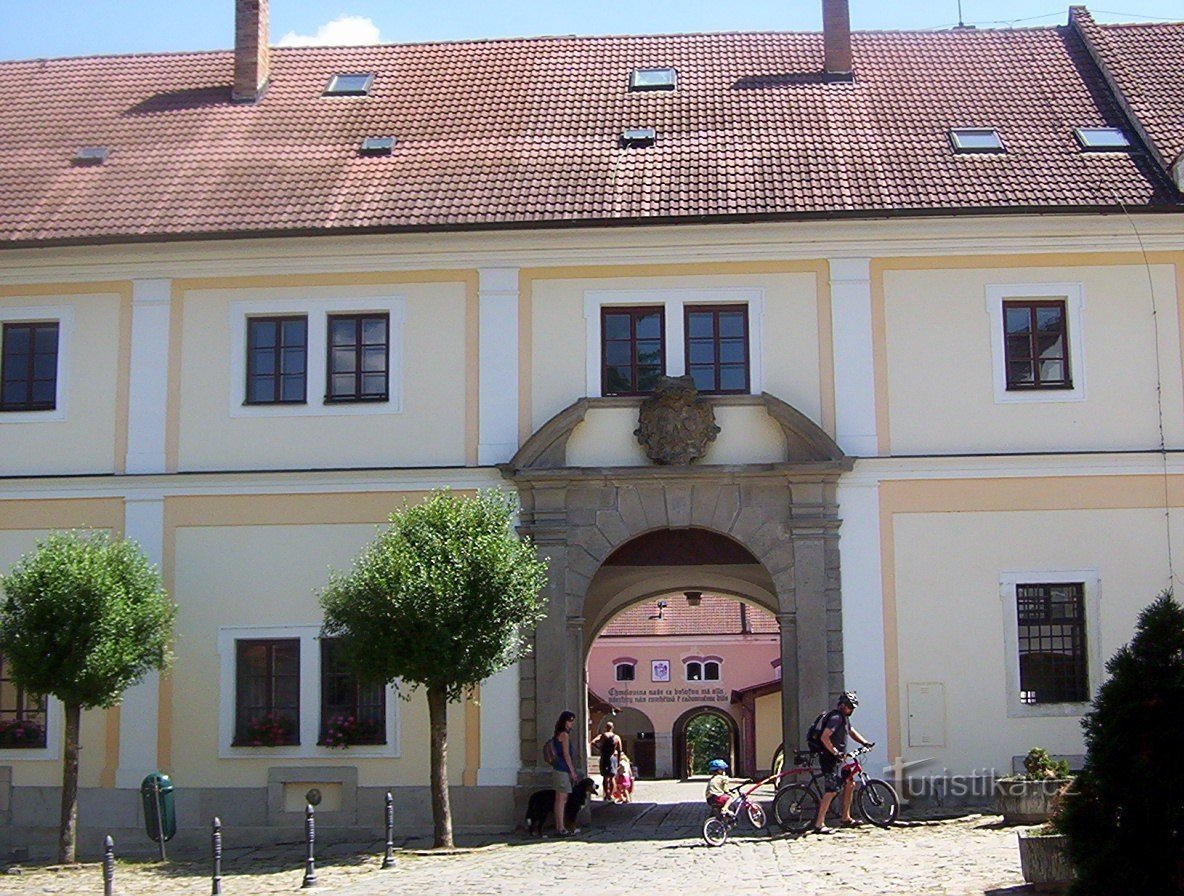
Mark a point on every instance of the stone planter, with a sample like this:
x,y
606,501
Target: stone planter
x,y
1028,802
1044,861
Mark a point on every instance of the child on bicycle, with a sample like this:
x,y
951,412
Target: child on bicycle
x,y
717,787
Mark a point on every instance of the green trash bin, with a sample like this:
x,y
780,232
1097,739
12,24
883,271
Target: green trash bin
x,y
160,811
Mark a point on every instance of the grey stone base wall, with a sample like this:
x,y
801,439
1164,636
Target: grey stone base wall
x,y
952,792
250,816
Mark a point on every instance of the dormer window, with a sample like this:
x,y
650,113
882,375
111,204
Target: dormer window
x,y
1102,139
653,79
377,146
349,85
971,140
638,137
90,155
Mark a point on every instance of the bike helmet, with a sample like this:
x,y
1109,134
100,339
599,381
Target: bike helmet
x,y
850,698
717,765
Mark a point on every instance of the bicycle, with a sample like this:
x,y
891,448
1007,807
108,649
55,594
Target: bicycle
x,y
795,806
719,824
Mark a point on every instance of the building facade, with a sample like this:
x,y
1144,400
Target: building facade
x,y
931,296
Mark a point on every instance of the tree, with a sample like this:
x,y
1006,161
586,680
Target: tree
x,y
1124,816
84,618
445,596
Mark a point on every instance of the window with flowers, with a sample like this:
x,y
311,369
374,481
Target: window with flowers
x,y
267,693
22,715
352,711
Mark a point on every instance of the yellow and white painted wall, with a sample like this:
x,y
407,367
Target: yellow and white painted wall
x,y
884,333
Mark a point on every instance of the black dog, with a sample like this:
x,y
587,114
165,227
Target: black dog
x,y
542,806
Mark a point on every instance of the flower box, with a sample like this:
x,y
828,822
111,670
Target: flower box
x,y
1044,861
1020,801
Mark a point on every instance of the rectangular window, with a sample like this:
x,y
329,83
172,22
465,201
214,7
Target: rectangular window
x,y
1051,640
277,360
1036,344
352,712
359,354
633,349
23,719
267,693
717,348
29,367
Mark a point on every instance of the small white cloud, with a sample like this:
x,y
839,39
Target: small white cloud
x,y
345,31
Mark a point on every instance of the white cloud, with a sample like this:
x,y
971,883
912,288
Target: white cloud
x,y
344,31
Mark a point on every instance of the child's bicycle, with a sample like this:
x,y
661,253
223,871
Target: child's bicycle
x,y
742,804
795,807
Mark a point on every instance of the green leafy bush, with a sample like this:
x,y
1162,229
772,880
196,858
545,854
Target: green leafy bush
x,y
1039,766
1124,816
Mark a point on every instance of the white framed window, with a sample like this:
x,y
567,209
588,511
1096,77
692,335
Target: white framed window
x,y
1063,364
24,319
1052,645
315,372
674,348
296,710
30,724
702,668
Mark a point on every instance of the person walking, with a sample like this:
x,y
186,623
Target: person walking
x,y
563,769
609,746
835,728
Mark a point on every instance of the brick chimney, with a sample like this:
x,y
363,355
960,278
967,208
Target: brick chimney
x,y
252,56
836,37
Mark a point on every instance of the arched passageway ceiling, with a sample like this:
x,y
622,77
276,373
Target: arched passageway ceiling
x,y
615,588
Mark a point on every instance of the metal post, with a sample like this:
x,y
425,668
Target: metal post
x,y
310,870
388,860
159,817
108,866
216,843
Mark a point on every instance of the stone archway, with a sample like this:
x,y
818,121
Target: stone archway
x,y
681,769
783,513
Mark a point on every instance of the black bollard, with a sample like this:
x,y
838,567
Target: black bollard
x,y
310,870
108,866
388,860
216,844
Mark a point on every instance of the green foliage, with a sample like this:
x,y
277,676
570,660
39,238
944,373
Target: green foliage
x,y
1124,817
445,596
84,619
707,739
1039,766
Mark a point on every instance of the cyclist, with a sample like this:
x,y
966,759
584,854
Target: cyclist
x,y
835,728
717,787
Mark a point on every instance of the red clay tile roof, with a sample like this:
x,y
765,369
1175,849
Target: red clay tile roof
x,y
524,133
1146,63
714,616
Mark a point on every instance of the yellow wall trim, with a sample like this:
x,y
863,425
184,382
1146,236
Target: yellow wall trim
x,y
63,513
472,737
1047,493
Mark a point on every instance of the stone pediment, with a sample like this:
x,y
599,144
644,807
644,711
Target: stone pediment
x,y
805,442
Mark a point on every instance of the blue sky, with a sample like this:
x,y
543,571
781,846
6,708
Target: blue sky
x,y
48,28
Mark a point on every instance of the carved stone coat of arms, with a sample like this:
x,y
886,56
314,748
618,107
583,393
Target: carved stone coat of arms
x,y
675,424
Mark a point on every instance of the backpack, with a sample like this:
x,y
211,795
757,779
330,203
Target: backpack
x,y
549,751
814,734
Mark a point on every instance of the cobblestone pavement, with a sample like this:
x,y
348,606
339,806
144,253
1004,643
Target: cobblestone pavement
x,y
642,848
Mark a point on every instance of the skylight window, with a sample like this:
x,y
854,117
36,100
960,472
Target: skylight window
x,y
349,85
377,146
976,140
653,79
1102,139
637,137
90,155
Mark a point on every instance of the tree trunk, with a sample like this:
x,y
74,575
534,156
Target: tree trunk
x,y
68,830
441,812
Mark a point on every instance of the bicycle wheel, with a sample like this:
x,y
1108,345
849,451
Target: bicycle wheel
x,y
756,815
878,802
795,807
715,831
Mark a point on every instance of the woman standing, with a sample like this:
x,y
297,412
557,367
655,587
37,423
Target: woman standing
x,y
563,774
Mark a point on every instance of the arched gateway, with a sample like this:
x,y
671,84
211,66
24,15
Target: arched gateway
x,y
776,501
